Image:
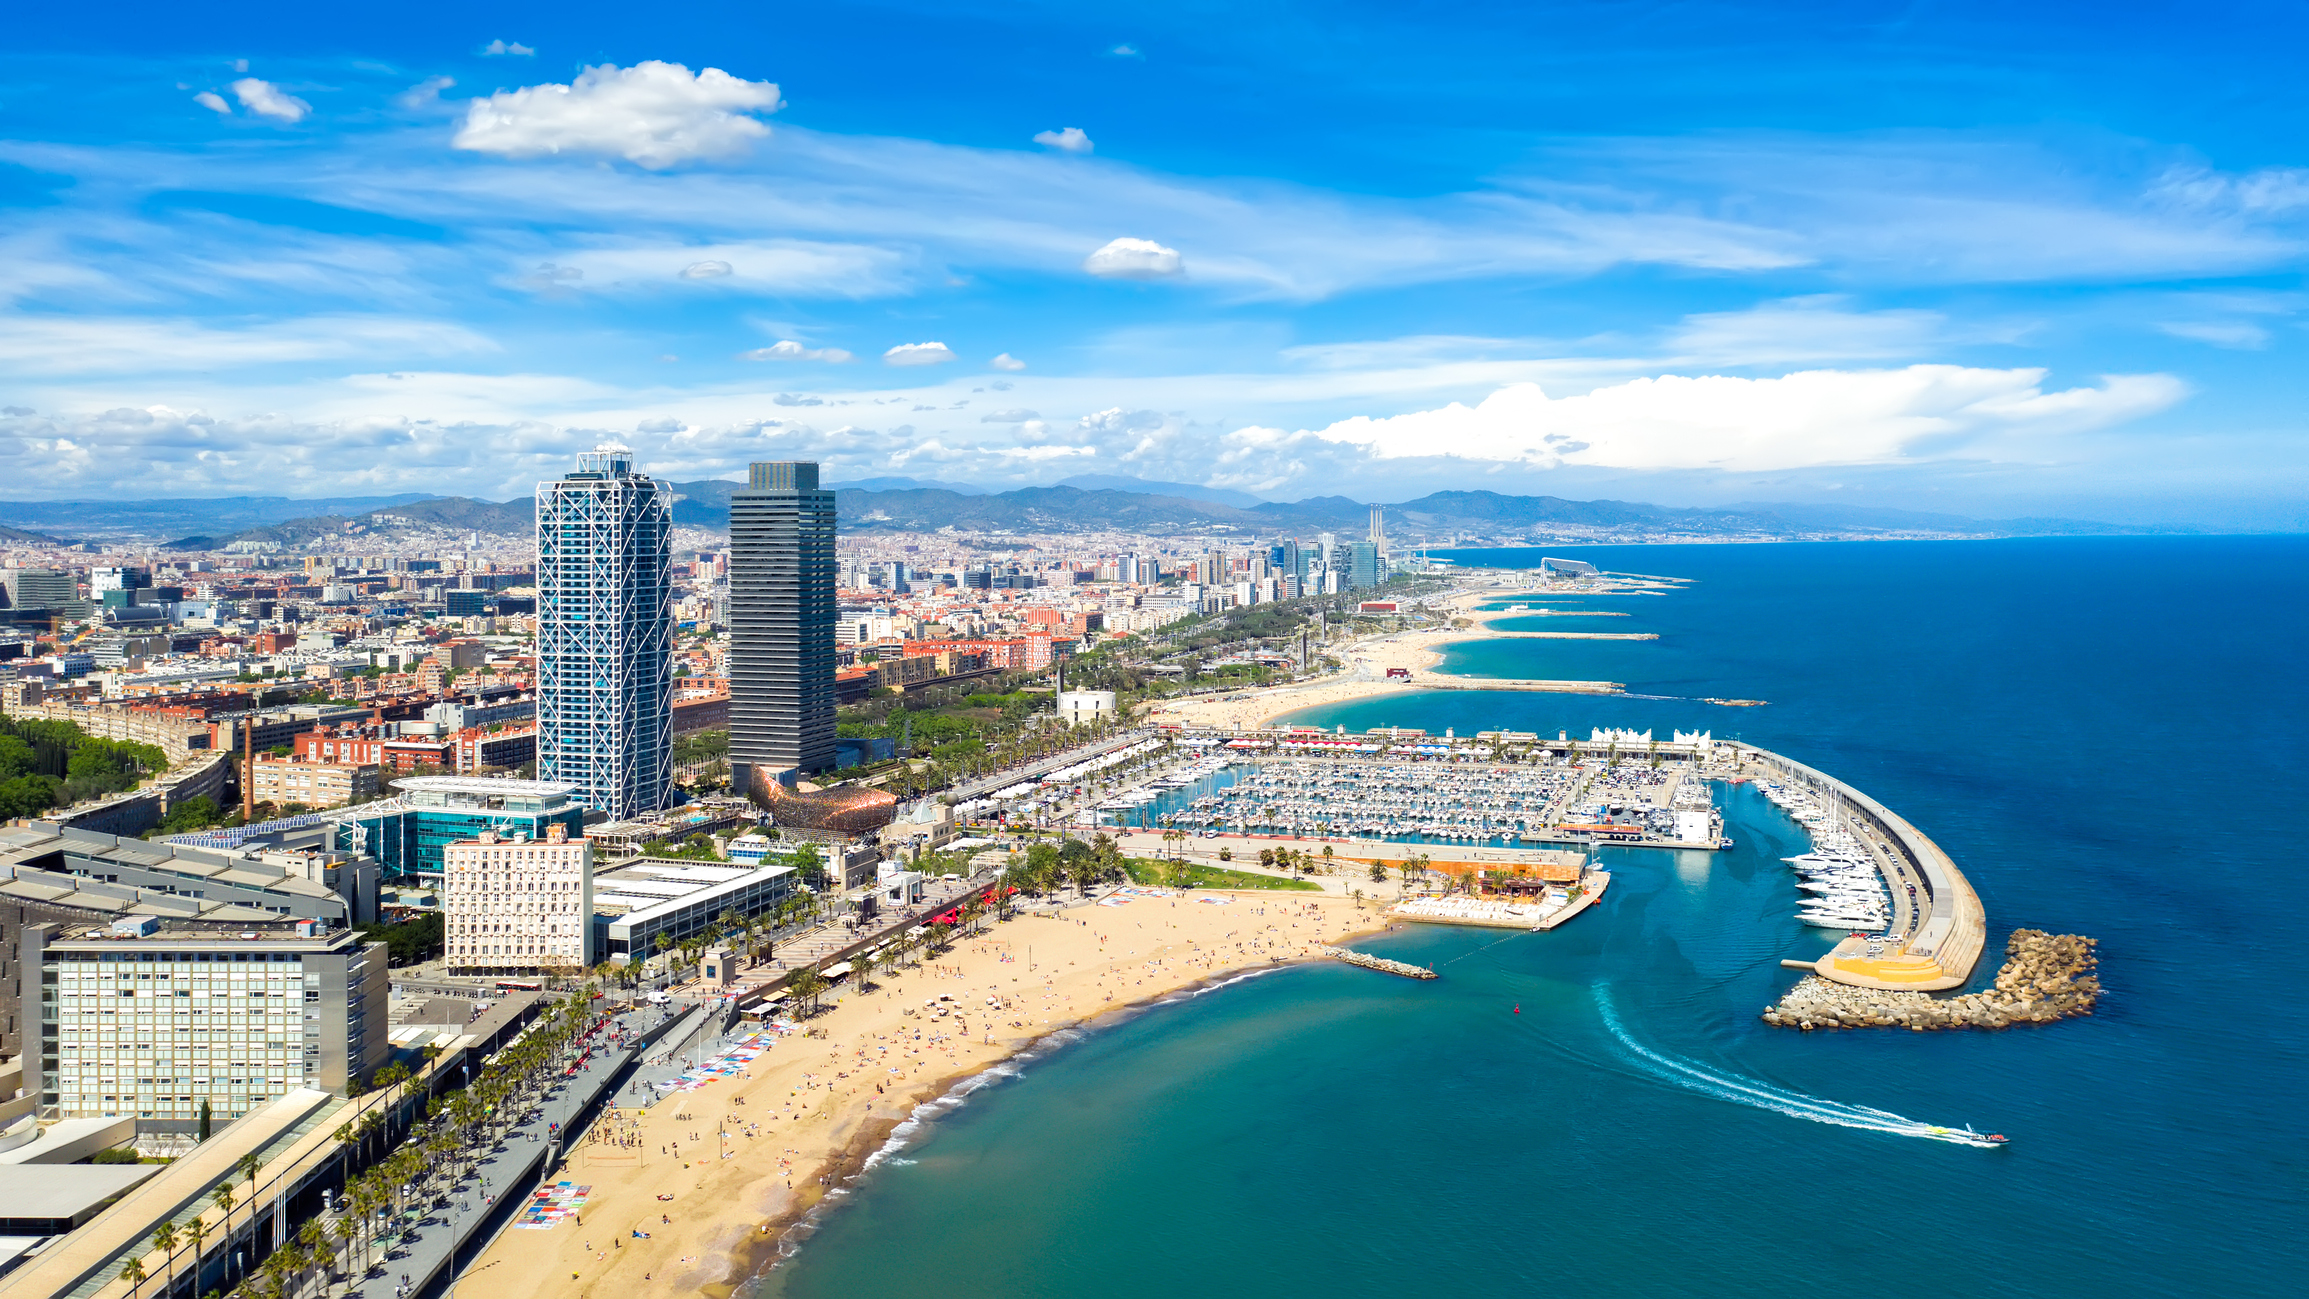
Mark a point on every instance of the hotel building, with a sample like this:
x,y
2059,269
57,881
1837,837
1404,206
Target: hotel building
x,y
605,634
511,904
152,1017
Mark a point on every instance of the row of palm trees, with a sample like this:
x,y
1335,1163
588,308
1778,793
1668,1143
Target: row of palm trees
x,y
455,1131
808,984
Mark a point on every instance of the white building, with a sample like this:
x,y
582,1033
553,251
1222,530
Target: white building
x,y
1079,706
512,903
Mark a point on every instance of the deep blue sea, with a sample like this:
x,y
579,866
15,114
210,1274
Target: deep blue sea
x,y
2110,736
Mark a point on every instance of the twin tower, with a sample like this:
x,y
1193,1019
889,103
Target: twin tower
x,y
605,634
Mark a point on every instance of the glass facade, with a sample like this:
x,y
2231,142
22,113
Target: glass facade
x,y
605,634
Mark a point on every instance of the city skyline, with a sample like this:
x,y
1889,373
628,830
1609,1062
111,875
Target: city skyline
x,y
1547,253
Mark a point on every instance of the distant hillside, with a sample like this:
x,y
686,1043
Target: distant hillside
x,y
177,516
1086,506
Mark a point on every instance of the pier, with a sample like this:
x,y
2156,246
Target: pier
x,y
1937,937
1379,963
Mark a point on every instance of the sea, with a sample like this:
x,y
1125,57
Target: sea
x,y
2110,736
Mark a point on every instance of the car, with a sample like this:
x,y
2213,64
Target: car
x,y
659,998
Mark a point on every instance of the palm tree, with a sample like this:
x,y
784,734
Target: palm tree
x,y
197,1230
224,1203
133,1273
164,1240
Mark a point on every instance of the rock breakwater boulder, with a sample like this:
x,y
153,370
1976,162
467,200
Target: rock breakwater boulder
x,y
2046,977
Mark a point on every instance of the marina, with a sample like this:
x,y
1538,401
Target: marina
x,y
1911,919
1389,788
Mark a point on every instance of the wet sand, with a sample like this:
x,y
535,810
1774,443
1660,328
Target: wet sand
x,y
813,1109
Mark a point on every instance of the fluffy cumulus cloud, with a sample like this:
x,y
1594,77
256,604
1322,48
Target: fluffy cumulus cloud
x,y
213,101
1134,259
1007,362
918,354
789,350
500,48
1071,140
1810,418
268,100
653,114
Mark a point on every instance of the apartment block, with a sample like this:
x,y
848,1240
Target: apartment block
x,y
513,904
315,784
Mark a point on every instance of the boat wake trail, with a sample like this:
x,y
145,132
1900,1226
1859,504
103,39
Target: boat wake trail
x,y
1764,1096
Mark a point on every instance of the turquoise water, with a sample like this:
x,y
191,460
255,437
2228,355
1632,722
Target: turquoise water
x,y
2107,735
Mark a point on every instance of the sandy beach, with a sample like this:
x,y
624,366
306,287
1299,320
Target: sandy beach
x,y
1367,662
711,1177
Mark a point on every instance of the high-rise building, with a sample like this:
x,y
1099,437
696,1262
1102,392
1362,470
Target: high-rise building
x,y
782,615
41,588
510,903
1379,526
153,1017
605,634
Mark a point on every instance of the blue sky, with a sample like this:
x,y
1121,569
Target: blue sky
x,y
1926,256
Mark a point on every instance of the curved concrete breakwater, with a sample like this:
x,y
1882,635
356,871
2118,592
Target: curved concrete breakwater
x,y
2045,977
1939,929
1938,932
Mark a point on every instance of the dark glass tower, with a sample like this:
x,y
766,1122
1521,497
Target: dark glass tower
x,y
781,622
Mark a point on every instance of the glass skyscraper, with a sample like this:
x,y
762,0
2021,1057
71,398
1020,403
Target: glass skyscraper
x,y
605,634
781,622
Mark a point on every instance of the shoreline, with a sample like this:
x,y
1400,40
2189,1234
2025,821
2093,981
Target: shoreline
x,y
1418,653
765,1249
741,1170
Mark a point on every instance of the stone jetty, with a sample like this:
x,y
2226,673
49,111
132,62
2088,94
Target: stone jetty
x,y
1379,963
2045,977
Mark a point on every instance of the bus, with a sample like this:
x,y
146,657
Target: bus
x,y
519,985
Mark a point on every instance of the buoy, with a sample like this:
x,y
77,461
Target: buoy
x,y
1519,1008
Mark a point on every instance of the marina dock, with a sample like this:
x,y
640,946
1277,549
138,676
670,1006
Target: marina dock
x,y
1938,927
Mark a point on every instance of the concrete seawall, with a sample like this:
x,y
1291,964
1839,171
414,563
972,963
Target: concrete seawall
x,y
1948,929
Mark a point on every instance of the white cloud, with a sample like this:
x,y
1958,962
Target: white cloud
x,y
653,114
1118,420
1007,362
1008,416
918,354
1809,418
1071,140
425,94
267,100
660,424
2238,334
514,48
1134,259
213,101
787,268
1794,330
1126,52
789,350
57,345
2268,190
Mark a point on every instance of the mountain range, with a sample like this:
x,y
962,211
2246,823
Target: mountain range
x,y
1087,504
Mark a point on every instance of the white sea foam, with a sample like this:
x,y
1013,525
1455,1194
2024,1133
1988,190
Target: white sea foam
x,y
1764,1096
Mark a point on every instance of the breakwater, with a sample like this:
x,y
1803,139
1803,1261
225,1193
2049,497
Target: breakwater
x,y
1379,963
1941,931
2046,977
